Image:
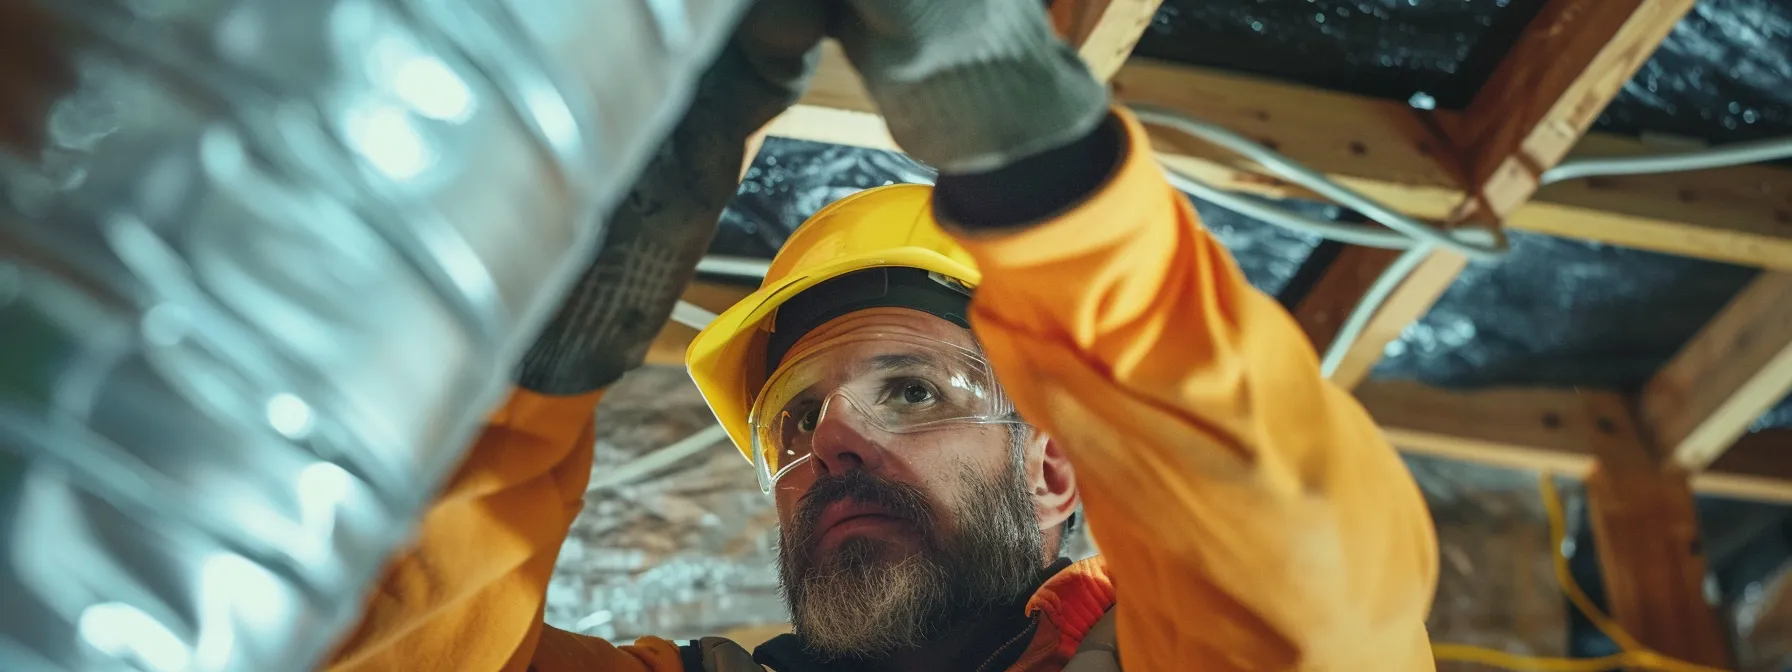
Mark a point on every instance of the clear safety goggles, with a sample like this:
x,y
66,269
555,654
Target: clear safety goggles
x,y
878,385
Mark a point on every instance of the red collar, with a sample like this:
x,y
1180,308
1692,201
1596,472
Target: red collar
x,y
1074,599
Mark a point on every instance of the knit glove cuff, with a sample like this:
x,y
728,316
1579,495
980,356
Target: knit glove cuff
x,y
982,93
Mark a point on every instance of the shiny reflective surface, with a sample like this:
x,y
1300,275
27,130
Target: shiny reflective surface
x,y
265,281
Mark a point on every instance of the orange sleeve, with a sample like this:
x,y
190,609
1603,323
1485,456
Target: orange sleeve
x,y
468,595
1251,513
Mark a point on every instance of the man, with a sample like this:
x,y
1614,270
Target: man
x,y
1251,514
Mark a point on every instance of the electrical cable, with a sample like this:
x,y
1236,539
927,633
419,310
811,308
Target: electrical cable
x,y
1722,156
1377,294
1419,239
745,267
692,315
1633,654
1320,184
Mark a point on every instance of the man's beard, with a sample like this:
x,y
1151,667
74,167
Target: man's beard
x,y
861,603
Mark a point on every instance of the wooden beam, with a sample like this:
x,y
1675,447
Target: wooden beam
x,y
1568,64
1556,430
833,125
1736,367
1384,149
1518,428
1647,531
1346,279
1387,151
1758,467
1105,31
1740,215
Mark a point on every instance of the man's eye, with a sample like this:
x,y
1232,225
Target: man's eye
x,y
806,422
916,393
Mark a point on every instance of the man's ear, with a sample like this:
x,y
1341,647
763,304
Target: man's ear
x,y
1050,481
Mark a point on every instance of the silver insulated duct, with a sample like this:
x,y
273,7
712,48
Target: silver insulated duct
x,y
263,284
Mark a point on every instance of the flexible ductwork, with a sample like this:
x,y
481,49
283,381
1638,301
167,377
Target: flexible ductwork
x,y
266,280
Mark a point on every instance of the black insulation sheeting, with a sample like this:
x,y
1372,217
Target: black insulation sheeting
x,y
1723,75
1443,49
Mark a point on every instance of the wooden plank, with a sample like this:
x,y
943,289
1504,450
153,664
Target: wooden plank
x,y
836,84
1736,367
1556,430
1385,149
1568,64
1531,429
1105,31
1758,466
833,125
1337,293
1740,215
1650,554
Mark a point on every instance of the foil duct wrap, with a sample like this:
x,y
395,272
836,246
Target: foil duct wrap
x,y
265,281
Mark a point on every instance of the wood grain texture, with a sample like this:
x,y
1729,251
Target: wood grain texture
x,y
1650,553
1567,65
1385,149
1338,293
1537,429
1733,370
1740,215
1104,31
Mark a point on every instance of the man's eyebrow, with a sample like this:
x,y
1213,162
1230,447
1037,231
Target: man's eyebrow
x,y
899,361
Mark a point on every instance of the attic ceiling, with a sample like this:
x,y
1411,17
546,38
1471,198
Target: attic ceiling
x,y
1553,313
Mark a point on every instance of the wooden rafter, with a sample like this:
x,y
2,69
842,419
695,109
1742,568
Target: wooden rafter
x,y
1387,151
1556,431
1650,556
1736,367
1104,31
1569,62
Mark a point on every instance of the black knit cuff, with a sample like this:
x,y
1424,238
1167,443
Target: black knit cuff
x,y
1035,188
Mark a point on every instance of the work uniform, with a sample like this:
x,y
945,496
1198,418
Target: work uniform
x,y
1251,514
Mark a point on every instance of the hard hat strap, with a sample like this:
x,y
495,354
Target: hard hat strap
x,y
881,287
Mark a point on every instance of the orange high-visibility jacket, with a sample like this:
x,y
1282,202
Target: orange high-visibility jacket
x,y
1250,513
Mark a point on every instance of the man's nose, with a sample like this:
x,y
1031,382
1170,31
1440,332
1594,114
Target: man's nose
x,y
843,439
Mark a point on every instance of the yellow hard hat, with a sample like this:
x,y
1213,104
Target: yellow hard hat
x,y
884,227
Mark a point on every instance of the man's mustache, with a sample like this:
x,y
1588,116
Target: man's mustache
x,y
898,500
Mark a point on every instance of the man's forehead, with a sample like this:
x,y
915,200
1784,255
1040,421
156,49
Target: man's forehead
x,y
906,321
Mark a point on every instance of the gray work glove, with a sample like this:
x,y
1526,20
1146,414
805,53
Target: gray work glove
x,y
660,231
970,86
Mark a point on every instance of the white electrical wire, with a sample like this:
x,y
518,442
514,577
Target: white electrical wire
x,y
1418,239
1417,231
745,267
1377,294
635,469
1715,157
692,315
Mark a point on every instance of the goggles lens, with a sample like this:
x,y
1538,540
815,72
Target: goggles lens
x,y
877,383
